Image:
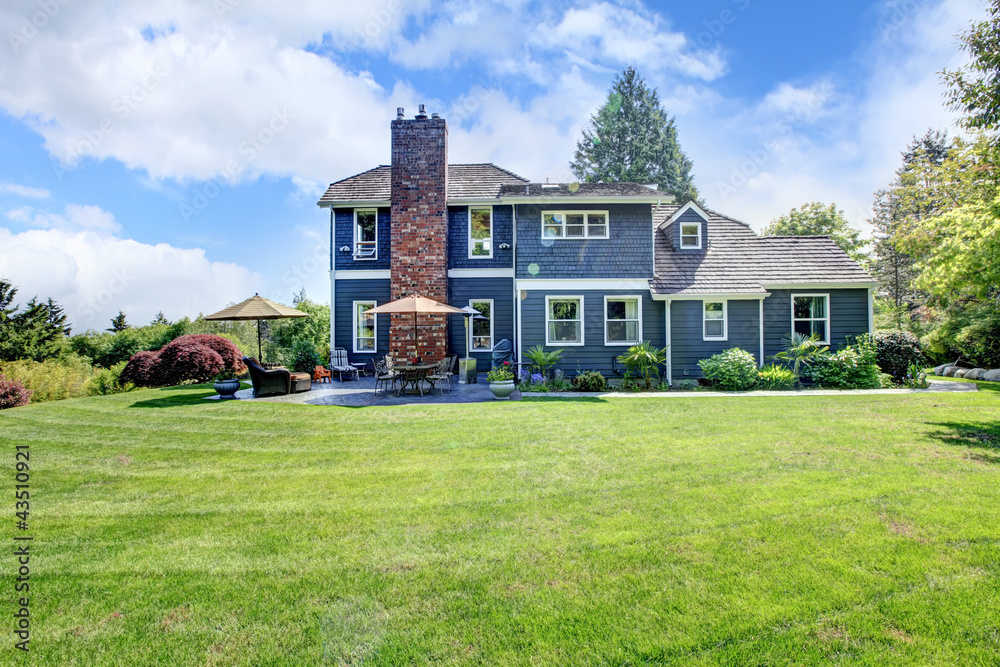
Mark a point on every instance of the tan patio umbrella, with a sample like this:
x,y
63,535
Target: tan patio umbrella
x,y
257,308
416,304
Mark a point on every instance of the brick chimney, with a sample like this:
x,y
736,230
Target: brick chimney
x,y
419,231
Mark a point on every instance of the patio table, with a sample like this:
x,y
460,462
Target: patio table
x,y
412,375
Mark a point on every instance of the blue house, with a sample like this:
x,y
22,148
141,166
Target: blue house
x,y
588,268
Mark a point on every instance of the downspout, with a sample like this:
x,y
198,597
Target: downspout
x,y
670,349
333,283
761,364
871,310
517,293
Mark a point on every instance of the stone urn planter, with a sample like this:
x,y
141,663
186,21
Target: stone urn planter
x,y
227,388
502,389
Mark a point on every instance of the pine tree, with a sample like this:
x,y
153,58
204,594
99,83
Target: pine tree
x,y
118,323
160,319
37,332
631,138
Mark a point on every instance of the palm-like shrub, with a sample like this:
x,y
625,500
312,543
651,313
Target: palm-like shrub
x,y
732,370
542,360
800,349
644,361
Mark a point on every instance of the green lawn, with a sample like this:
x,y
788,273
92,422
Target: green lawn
x,y
172,530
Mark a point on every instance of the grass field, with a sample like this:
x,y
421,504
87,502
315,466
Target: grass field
x,y
801,530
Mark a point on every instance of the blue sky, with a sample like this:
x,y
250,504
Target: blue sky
x,y
167,155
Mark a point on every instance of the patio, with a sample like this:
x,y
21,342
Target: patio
x,y
361,392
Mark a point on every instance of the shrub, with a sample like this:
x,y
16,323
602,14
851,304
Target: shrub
x,y
139,369
774,377
916,378
643,361
305,357
896,351
590,381
543,360
185,361
232,358
979,342
53,379
107,381
852,367
732,370
800,350
13,394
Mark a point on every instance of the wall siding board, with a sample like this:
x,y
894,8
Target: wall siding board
x,y
458,244
626,253
501,290
344,236
688,346
594,355
848,316
349,291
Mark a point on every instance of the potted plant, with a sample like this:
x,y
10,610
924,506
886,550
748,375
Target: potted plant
x,y
501,381
227,384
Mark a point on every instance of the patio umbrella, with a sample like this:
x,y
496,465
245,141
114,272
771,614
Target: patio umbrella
x,y
415,304
257,308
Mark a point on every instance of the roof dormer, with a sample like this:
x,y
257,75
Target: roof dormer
x,y
688,228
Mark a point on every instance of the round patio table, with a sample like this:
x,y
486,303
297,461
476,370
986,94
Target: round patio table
x,y
412,375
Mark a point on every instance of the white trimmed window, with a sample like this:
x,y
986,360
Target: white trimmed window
x,y
811,315
365,326
622,320
365,233
480,233
563,320
575,225
691,235
715,320
482,329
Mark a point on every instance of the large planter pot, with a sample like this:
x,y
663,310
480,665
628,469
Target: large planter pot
x,y
227,388
503,389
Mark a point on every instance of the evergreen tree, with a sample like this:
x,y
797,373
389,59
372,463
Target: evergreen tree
x,y
38,332
160,319
818,219
631,138
118,323
974,88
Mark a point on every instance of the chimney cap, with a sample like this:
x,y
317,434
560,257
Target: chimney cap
x,y
435,115
422,114
399,113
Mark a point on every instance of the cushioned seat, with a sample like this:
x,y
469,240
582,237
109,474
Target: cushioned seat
x,y
301,382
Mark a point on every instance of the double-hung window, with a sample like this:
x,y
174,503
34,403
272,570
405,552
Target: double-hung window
x,y
714,319
482,325
622,320
365,234
691,235
574,225
564,320
364,326
480,233
811,315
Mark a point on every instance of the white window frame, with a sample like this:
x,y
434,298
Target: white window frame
x,y
472,333
582,320
489,240
725,320
681,231
586,225
355,254
622,297
354,327
812,319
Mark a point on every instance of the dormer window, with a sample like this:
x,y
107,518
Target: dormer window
x,y
365,234
691,235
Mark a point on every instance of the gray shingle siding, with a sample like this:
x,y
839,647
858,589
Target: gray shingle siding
x,y
593,355
687,344
626,253
501,290
848,316
458,239
349,291
344,236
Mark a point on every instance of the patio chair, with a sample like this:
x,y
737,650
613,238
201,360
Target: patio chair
x,y
275,382
321,373
340,365
443,373
384,376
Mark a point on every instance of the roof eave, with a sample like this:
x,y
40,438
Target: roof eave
x,y
610,199
353,203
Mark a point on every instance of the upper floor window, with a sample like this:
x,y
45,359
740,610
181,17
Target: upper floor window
x,y
482,325
811,315
691,235
480,233
564,320
575,225
622,320
365,234
714,319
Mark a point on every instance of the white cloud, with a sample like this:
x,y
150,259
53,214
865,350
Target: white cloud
x,y
24,191
93,273
75,217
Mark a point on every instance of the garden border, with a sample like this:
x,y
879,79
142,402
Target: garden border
x,y
935,388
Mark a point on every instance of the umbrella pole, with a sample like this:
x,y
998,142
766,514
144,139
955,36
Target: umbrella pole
x,y
259,355
415,334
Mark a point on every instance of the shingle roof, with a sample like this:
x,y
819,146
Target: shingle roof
x,y
465,181
579,190
737,261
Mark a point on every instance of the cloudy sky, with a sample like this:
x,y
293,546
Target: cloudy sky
x,y
168,154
